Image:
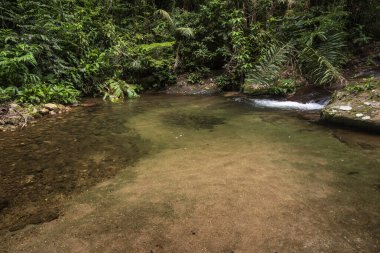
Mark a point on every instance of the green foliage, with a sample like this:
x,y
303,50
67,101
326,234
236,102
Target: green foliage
x,y
366,85
270,65
44,93
17,62
88,43
40,93
194,78
321,65
116,90
283,87
7,94
359,36
227,82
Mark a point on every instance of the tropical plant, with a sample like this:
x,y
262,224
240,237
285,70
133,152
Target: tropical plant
x,y
8,93
179,33
270,65
44,93
116,90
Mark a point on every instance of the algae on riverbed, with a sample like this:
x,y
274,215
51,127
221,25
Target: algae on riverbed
x,y
261,181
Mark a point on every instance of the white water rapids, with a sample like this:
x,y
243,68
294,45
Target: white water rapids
x,y
286,105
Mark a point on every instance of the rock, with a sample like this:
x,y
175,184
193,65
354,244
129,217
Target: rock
x,y
44,111
344,108
183,87
3,204
358,110
51,107
4,110
35,219
43,217
34,111
232,94
14,106
53,113
61,107
88,104
29,179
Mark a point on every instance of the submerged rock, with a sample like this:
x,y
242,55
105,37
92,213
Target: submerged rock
x,y
3,204
355,109
196,121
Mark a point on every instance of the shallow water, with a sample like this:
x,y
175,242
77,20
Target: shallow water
x,y
166,174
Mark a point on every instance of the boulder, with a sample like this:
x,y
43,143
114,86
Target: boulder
x,y
358,109
51,107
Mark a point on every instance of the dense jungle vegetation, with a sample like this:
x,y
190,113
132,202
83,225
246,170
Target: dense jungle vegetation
x,y
59,50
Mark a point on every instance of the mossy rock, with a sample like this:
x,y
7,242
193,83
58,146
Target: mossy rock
x,y
358,109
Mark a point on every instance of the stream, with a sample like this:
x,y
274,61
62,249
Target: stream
x,y
189,174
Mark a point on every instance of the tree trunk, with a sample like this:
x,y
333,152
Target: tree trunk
x,y
254,14
177,62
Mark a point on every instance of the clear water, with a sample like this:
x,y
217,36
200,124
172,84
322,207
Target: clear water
x,y
166,174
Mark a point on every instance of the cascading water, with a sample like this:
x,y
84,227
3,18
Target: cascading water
x,y
286,105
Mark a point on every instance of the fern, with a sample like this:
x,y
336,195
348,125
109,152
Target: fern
x,y
185,32
115,90
270,64
320,64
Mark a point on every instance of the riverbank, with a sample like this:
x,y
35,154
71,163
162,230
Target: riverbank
x,y
14,116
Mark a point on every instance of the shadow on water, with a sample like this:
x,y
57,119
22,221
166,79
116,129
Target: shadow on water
x,y
192,120
44,164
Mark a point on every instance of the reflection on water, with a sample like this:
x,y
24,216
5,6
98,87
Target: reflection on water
x,y
43,165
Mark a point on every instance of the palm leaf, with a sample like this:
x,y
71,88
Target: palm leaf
x,y
321,64
185,32
270,64
165,15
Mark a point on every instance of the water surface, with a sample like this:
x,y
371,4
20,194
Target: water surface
x,y
189,174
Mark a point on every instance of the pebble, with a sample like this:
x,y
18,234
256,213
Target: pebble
x,y
359,115
366,118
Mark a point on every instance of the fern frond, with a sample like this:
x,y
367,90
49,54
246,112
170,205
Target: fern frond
x,y
165,15
185,32
322,64
270,64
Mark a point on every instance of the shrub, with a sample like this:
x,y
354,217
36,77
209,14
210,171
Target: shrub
x,y
115,90
283,87
194,78
44,93
368,84
7,94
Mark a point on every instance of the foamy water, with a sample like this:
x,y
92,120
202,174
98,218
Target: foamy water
x,y
285,105
289,105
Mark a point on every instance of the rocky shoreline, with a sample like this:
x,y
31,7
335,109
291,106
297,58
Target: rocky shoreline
x,y
14,116
352,106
